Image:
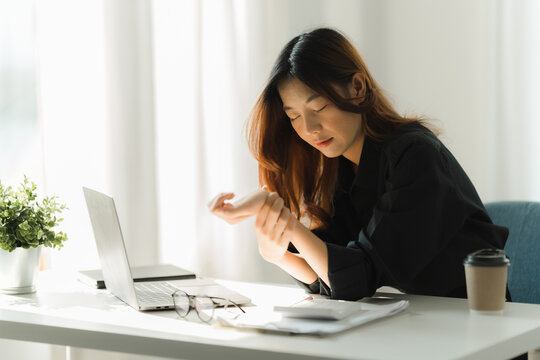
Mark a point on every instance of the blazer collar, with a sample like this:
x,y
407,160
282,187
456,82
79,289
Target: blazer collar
x,y
368,167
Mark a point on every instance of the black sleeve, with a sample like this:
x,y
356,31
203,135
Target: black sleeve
x,y
413,220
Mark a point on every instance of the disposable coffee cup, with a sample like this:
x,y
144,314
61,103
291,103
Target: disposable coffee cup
x,y
486,272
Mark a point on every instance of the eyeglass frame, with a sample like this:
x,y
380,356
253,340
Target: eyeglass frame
x,y
192,299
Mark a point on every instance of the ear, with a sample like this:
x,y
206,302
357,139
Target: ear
x,y
357,87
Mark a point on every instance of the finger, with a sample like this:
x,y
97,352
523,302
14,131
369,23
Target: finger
x,y
228,211
281,223
273,215
214,201
219,200
271,198
252,202
229,217
291,225
238,219
263,212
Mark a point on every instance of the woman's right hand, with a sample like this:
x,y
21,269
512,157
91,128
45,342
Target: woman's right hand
x,y
241,209
274,227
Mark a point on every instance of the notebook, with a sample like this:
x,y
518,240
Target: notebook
x,y
149,295
159,272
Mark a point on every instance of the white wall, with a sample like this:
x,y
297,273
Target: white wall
x,y
437,59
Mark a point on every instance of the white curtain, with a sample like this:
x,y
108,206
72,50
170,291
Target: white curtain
x,y
97,116
19,135
517,125
73,117
198,123
130,117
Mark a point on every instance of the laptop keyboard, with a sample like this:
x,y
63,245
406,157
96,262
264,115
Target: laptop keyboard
x,y
155,293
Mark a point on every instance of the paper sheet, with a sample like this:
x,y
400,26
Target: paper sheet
x,y
265,319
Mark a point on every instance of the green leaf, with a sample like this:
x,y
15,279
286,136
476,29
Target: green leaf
x,y
26,222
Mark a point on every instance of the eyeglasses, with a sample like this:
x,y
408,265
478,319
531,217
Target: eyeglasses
x,y
204,305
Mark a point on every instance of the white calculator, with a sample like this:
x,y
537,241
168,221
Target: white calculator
x,y
321,309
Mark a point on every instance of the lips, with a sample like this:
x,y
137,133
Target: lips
x,y
324,143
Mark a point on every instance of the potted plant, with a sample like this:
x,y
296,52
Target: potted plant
x,y
26,225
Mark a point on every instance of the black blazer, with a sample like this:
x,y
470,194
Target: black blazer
x,y
406,219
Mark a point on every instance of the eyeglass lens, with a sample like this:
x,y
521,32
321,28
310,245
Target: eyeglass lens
x,y
204,305
181,303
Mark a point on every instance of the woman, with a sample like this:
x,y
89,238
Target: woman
x,y
386,202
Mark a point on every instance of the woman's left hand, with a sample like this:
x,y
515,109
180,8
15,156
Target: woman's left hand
x,y
241,209
274,227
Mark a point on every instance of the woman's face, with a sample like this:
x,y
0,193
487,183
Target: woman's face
x,y
320,123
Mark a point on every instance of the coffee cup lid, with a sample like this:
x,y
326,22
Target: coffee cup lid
x,y
487,257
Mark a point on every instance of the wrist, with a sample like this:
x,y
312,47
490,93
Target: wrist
x,y
298,234
282,260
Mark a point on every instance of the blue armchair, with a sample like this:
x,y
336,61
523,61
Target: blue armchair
x,y
523,246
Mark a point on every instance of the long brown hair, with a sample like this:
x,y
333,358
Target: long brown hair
x,y
324,60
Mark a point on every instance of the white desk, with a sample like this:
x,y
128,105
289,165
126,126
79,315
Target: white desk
x,y
66,312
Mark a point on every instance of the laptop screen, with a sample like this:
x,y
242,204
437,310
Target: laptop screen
x,y
110,246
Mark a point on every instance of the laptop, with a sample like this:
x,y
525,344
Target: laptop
x,y
143,296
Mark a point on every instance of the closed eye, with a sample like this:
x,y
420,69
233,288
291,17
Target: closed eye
x,y
321,109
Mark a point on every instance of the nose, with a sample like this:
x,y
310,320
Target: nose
x,y
311,124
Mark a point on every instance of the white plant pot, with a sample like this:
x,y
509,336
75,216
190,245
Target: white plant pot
x,y
19,270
